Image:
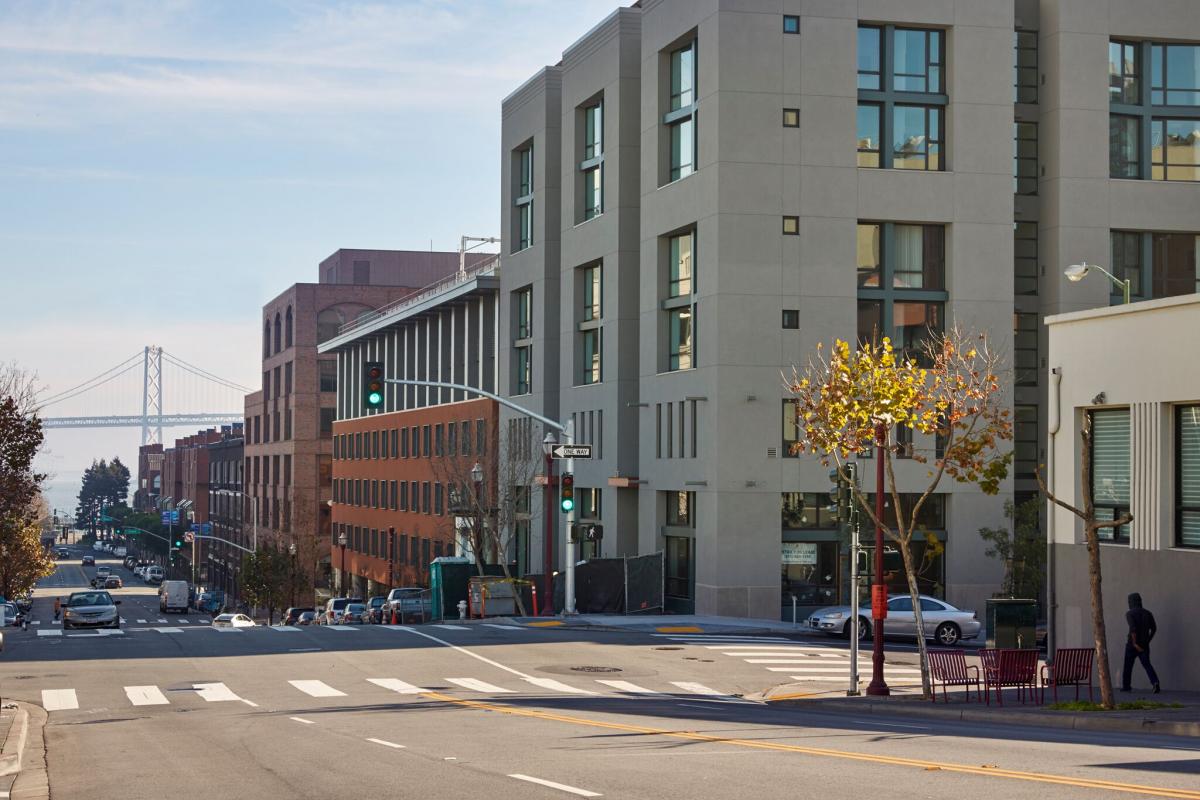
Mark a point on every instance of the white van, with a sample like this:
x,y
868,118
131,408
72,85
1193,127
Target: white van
x,y
153,574
173,596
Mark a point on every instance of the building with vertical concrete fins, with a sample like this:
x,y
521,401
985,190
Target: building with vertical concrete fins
x,y
699,193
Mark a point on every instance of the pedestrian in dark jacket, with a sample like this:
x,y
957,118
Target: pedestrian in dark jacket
x,y
1137,645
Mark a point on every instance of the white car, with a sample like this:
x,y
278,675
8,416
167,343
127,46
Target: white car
x,y
233,621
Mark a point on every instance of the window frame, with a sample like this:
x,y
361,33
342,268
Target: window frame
x,y
678,302
1112,535
680,116
1025,185
1180,507
1020,35
591,164
523,190
1146,113
886,294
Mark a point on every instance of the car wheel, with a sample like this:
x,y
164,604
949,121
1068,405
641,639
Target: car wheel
x,y
947,634
864,629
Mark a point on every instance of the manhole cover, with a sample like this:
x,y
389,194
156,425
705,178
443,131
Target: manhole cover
x,y
595,669
666,648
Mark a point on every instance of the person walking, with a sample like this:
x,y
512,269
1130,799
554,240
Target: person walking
x,y
1137,645
57,608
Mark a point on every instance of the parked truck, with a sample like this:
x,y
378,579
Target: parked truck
x,y
173,596
411,604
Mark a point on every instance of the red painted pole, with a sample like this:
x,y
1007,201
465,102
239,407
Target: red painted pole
x,y
878,686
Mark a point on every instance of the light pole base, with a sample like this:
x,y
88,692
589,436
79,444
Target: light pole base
x,y
853,693
878,689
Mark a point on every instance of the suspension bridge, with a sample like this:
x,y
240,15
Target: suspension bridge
x,y
148,376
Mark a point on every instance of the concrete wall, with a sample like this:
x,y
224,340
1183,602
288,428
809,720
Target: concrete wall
x,y
1120,351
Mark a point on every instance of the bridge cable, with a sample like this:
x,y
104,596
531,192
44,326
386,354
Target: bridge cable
x,y
124,363
203,373
94,384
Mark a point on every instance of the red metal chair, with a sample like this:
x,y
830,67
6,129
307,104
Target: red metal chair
x,y
1072,667
950,668
1009,668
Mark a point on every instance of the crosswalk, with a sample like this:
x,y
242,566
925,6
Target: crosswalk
x,y
366,690
797,661
185,624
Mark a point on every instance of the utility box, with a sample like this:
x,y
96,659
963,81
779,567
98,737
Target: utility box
x,y
1011,623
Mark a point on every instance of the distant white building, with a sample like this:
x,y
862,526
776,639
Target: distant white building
x,y
1136,369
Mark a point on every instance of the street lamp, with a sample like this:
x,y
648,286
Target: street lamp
x,y
1077,272
292,574
342,573
477,479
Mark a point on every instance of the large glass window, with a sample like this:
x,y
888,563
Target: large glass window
x,y
791,428
1025,348
1025,254
1187,476
1175,75
1154,134
1123,69
680,117
807,511
680,279
1124,147
592,164
901,277
1025,158
680,303
680,333
1175,149
809,573
589,288
523,201
678,567
592,293
1127,261
901,97
524,372
1110,469
525,313
592,343
1025,67
523,340
1175,264
1025,440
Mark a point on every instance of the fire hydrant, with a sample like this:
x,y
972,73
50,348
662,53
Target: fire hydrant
x,y
462,609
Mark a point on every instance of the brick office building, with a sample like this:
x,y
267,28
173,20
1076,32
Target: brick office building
x,y
225,469
149,477
289,421
394,467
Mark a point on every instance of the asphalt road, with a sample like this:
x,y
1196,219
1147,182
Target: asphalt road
x,y
478,711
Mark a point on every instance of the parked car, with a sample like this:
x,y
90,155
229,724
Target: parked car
x,y
375,606
154,574
210,602
355,614
292,615
233,621
91,610
410,602
88,561
307,618
12,617
944,623
62,552
334,608
113,582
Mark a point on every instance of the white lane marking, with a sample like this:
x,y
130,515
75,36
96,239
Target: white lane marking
x,y
478,686
683,637
503,627
59,699
339,627
626,686
161,621
467,652
141,622
215,692
282,628
56,622
395,627
397,685
890,724
183,620
55,632
37,622
562,787
204,622
317,689
556,686
223,629
386,743
451,627
146,696
698,688
809,661
773,648
305,650
303,720
169,630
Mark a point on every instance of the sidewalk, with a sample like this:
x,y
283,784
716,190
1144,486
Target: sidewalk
x,y
1183,721
656,623
23,773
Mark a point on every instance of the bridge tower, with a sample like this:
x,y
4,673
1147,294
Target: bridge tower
x,y
152,395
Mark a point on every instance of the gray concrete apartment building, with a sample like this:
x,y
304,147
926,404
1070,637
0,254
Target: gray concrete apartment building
x,y
700,192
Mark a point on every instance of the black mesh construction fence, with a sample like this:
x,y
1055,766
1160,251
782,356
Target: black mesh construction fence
x,y
644,583
615,585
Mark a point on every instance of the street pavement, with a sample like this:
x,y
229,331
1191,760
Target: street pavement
x,y
503,710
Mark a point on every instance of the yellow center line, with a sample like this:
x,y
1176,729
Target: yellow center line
x,y
991,772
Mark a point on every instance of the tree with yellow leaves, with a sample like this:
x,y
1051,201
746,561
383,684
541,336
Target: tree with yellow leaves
x,y
853,400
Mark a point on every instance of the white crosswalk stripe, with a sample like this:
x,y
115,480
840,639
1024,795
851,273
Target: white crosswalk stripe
x,y
451,627
215,692
626,686
557,686
478,686
396,627
397,685
340,627
222,629
317,689
36,622
59,699
161,621
698,688
141,622
504,627
55,632
183,620
845,670
282,628
168,630
146,696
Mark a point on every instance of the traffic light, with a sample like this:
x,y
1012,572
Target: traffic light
x,y
178,544
566,498
841,496
373,384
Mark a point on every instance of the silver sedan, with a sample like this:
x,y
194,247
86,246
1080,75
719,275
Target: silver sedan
x,y
944,623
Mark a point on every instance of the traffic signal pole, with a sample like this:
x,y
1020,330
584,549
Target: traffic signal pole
x,y
569,593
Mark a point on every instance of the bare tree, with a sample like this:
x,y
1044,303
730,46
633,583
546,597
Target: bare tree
x,y
1091,532
486,513
21,385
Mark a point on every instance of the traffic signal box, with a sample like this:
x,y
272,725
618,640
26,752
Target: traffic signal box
x,y
373,384
566,497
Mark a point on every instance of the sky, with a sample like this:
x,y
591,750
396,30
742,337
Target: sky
x,y
167,166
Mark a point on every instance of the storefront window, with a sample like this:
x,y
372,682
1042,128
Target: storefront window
x,y
806,511
679,567
810,573
928,553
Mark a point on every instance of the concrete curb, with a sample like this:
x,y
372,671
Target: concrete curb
x,y
682,627
1095,721
14,744
33,781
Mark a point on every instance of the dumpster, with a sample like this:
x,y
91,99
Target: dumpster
x,y
491,596
1011,623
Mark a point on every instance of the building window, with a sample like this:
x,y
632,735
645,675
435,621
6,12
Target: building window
x,y
1025,257
681,509
1025,440
591,351
1025,158
680,118
791,428
523,198
590,290
1156,264
439,441
592,165
1154,134
791,118
1187,476
806,511
791,318
1025,348
680,305
901,96
523,341
1025,67
437,499
328,375
425,438
1110,469
278,339
425,497
901,279
791,226
327,417
791,23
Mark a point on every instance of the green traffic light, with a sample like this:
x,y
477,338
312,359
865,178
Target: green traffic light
x,y
568,504
374,398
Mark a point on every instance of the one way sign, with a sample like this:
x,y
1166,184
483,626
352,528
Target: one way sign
x,y
572,451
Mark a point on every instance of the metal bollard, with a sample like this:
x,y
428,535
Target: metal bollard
x,y
462,609
793,611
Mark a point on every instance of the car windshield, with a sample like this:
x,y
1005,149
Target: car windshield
x,y
90,599
355,608
224,618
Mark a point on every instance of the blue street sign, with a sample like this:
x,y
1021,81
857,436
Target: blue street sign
x,y
170,518
202,528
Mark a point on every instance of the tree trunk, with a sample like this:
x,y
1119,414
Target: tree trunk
x,y
915,593
1103,676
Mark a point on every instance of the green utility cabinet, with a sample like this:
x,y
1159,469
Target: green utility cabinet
x,y
1011,623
